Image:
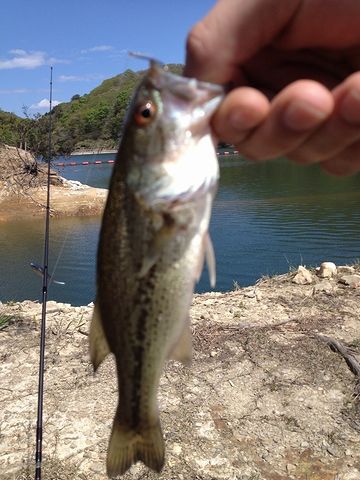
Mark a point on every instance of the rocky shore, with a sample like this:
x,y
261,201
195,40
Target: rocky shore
x,y
272,394
23,190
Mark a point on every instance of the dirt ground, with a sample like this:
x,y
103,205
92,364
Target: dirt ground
x,y
266,398
69,199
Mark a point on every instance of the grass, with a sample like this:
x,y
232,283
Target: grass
x,y
355,343
5,319
10,303
355,262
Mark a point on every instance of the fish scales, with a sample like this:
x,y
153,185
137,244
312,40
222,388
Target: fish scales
x,y
151,250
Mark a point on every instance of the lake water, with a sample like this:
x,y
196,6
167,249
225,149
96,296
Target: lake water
x,y
266,218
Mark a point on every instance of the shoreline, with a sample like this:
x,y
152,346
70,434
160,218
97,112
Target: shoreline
x,y
70,199
23,190
92,152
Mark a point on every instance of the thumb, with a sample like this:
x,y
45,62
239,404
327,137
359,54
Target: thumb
x,y
232,32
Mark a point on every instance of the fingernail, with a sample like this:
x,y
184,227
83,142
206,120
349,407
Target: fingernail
x,y
301,116
350,107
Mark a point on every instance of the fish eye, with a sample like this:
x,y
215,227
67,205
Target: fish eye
x,y
144,114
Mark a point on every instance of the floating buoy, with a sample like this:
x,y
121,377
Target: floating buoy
x,y
99,162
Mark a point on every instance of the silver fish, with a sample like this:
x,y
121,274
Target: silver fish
x,y
153,241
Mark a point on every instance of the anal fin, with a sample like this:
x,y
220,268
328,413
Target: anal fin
x,y
182,350
99,347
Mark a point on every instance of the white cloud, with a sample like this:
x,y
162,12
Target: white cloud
x,y
43,104
53,60
80,78
70,78
22,59
97,48
18,51
9,91
27,60
120,53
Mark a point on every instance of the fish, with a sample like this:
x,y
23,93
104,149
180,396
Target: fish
x,y
153,242
40,271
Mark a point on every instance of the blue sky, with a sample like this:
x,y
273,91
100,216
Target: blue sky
x,y
86,42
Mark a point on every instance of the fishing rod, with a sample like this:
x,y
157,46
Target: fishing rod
x,y
39,423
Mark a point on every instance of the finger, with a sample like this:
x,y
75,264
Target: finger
x,y
340,131
295,113
275,69
242,110
231,33
307,27
346,163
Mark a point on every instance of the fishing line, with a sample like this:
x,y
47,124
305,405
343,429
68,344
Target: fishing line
x,y
39,423
61,251
90,171
46,281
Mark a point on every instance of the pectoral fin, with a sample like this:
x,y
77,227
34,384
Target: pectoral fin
x,y
210,259
182,350
156,246
99,347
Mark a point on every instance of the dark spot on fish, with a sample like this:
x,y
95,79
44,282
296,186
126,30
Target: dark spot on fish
x,y
138,352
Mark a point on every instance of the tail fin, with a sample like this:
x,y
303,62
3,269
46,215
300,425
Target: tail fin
x,y
127,447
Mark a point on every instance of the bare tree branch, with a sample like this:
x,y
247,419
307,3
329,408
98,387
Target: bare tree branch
x,y
348,355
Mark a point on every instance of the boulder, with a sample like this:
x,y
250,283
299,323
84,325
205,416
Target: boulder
x,y
350,280
303,276
326,270
325,286
345,270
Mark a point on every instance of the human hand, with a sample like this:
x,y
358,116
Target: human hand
x,y
292,66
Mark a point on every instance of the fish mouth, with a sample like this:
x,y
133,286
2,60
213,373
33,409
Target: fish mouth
x,y
185,87
198,100
195,92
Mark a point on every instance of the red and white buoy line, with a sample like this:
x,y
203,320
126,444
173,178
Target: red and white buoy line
x,y
74,164
233,152
99,162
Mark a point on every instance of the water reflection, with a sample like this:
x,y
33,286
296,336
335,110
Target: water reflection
x,y
71,258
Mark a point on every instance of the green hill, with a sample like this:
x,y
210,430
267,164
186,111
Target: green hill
x,y
93,120
12,128
96,119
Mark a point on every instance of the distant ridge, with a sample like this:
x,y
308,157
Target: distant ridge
x,y
85,122
97,118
